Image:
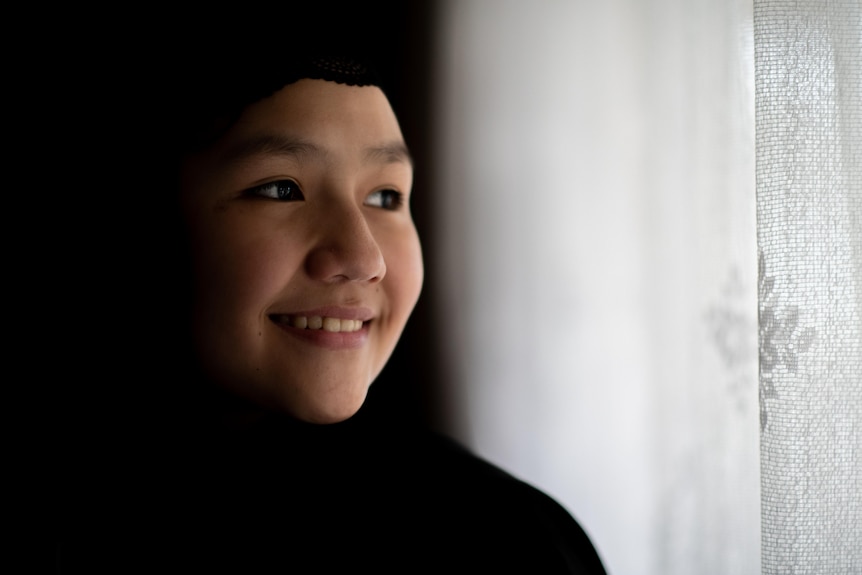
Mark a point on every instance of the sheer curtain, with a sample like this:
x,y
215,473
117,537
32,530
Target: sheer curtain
x,y
598,275
809,229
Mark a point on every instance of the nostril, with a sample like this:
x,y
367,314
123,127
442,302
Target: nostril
x,y
361,261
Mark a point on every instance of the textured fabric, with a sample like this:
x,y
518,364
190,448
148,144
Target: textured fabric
x,y
809,208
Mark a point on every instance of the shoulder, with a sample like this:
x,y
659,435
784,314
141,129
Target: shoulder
x,y
503,518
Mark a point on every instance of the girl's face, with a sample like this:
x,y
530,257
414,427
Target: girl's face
x,y
307,263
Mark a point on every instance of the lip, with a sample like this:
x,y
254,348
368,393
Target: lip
x,y
323,338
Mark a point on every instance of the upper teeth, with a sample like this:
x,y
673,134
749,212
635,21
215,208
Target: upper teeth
x,y
333,324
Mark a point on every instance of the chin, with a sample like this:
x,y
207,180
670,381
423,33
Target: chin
x,y
328,410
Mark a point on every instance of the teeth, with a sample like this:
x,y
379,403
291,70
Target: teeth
x,y
331,324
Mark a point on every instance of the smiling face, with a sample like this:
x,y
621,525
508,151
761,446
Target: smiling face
x,y
307,263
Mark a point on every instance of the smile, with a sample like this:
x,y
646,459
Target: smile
x,y
316,322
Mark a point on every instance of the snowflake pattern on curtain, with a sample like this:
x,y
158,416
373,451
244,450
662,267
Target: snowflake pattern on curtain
x,y
783,338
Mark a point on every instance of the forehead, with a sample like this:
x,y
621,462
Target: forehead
x,y
317,114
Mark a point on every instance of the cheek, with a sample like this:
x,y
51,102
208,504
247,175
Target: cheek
x,y
405,271
238,274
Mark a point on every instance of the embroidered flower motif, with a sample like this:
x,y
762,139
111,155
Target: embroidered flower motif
x,y
782,339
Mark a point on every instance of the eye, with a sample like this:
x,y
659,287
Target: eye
x,y
282,190
386,199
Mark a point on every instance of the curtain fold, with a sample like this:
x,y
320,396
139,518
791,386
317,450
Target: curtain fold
x,y
808,68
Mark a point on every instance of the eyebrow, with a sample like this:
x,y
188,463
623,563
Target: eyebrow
x,y
281,145
391,153
270,144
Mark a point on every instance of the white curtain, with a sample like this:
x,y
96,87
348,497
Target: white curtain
x,y
809,211
599,271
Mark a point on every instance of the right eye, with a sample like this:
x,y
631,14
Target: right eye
x,y
282,190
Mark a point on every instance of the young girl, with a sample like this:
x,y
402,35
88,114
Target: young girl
x,y
289,265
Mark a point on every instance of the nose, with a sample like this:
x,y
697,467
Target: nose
x,y
346,248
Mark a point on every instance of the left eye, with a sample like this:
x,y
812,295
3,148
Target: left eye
x,y
283,190
386,199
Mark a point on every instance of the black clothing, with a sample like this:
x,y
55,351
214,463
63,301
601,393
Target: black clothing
x,y
368,495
